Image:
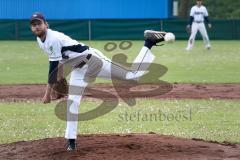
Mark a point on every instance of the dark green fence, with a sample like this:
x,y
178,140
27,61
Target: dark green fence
x,y
117,29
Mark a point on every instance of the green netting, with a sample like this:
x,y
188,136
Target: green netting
x,y
223,29
24,31
77,29
122,29
7,29
178,27
117,29
237,24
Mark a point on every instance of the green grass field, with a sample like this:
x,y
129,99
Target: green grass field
x,y
216,120
22,62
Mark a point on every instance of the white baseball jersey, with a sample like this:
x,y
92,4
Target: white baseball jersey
x,y
198,13
53,44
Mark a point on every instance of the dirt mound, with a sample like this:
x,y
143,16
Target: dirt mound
x,y
177,91
111,147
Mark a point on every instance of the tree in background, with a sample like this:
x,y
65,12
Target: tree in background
x,y
183,8
218,9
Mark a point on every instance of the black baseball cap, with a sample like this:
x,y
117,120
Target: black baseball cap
x,y
37,16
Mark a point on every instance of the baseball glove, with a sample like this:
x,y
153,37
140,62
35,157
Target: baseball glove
x,y
60,89
188,29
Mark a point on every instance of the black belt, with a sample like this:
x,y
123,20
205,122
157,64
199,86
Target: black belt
x,y
198,21
80,65
74,48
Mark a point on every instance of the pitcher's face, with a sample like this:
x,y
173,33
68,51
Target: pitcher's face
x,y
39,27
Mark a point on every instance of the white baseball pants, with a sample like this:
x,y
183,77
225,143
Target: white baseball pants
x,y
100,66
195,28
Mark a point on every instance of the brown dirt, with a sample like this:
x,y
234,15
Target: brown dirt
x,y
133,146
176,91
121,147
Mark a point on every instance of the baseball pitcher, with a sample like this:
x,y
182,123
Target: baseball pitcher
x,y
198,15
86,63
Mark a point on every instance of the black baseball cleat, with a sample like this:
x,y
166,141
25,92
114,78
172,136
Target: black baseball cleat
x,y
154,36
72,145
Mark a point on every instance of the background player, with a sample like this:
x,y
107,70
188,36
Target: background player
x,y
86,63
198,15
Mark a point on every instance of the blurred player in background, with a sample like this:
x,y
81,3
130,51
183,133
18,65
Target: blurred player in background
x,y
198,15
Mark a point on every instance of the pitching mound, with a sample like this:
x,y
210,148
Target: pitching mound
x,y
111,147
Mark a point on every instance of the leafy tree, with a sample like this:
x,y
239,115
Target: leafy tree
x,y
183,9
218,9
